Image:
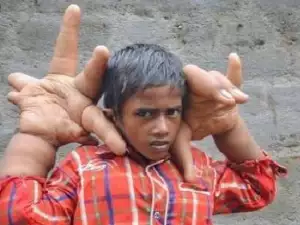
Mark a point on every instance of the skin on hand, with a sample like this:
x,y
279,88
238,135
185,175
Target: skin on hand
x,y
60,108
212,108
213,98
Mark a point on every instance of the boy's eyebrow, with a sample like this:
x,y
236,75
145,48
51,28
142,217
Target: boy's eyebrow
x,y
178,107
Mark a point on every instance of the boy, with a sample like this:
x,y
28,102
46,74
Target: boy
x,y
144,92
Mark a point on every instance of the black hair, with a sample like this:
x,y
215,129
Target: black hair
x,y
137,67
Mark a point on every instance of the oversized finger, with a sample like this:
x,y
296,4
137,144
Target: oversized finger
x,y
65,56
14,97
19,80
181,152
89,81
199,81
87,140
228,90
202,83
234,70
94,121
239,96
222,92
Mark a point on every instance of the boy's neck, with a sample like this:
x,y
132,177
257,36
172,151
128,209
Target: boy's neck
x,y
140,159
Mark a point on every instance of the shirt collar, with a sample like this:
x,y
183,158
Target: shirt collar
x,y
142,160
135,156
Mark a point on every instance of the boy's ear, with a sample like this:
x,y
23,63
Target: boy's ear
x,y
109,114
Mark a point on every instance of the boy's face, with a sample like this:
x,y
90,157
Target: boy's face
x,y
151,119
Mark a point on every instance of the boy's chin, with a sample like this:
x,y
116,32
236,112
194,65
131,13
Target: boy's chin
x,y
148,156
157,157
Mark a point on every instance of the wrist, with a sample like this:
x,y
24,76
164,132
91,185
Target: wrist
x,y
238,126
237,144
28,155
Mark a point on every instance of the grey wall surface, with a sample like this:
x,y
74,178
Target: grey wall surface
x,y
265,33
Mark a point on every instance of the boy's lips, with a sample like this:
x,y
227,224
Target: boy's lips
x,y
160,145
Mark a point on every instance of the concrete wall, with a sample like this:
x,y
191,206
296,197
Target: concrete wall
x,y
265,33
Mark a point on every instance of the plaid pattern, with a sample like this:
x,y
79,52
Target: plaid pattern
x,y
91,186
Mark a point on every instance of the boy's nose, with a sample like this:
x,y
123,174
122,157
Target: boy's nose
x,y
161,127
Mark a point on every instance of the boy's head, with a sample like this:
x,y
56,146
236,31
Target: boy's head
x,y
144,87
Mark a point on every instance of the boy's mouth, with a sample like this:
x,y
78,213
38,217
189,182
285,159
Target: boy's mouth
x,y
160,145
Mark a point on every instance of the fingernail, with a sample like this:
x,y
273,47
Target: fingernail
x,y
226,94
234,54
74,7
240,93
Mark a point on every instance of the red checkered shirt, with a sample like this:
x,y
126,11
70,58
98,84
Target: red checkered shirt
x,y
90,186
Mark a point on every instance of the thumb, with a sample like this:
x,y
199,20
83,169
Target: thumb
x,y
89,81
234,70
181,152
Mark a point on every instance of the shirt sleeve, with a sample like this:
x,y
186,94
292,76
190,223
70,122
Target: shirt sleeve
x,y
244,187
36,200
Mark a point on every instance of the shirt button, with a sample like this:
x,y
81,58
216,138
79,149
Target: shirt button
x,y
157,215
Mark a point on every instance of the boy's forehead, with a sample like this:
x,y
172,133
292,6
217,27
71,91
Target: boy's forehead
x,y
159,92
163,96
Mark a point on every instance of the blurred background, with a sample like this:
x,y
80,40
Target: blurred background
x,y
265,33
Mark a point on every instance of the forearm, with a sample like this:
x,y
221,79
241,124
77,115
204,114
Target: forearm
x,y
237,144
27,155
37,200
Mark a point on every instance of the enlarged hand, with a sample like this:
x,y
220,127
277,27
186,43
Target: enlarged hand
x,y
212,107
213,98
60,107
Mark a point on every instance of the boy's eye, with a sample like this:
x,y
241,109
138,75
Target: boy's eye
x,y
144,113
174,112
